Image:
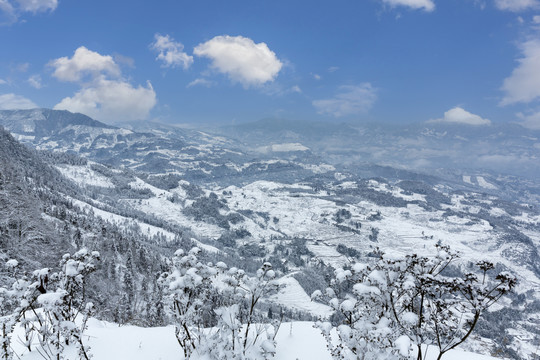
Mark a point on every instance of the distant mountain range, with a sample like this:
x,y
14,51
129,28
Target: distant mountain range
x,y
500,148
505,155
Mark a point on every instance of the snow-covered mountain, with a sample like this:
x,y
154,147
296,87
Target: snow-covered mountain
x,y
281,197
194,155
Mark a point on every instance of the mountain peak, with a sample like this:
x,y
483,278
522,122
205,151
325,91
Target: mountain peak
x,y
43,122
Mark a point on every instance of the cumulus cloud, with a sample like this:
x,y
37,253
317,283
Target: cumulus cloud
x,y
530,121
35,81
15,102
111,100
516,5
349,101
241,59
170,52
426,5
104,94
459,115
523,85
2,82
84,62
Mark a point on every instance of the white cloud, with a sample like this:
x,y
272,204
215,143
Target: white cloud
x,y
516,5
351,100
530,121
11,10
523,85
243,60
536,19
7,13
296,89
480,3
2,82
104,94
332,69
35,6
459,115
84,62
15,102
427,5
111,100
316,76
35,81
170,52
124,60
22,67
201,82
5,6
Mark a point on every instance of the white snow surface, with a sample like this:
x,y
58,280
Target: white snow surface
x,y
150,230
484,183
286,147
84,175
109,341
293,296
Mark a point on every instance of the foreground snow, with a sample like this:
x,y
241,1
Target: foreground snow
x,y
108,341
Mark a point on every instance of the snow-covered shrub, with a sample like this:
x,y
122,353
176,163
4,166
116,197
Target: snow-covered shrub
x,y
366,327
8,315
187,286
386,308
61,308
433,309
214,308
51,305
242,332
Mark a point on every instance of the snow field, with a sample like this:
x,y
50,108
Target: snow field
x,y
151,230
293,296
109,341
84,176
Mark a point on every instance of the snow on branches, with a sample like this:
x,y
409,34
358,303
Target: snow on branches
x,y
214,309
50,306
387,308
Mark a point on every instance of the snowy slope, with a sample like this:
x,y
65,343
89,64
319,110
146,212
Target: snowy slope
x,y
84,176
293,296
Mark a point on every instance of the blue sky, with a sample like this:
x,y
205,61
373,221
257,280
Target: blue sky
x,y
468,61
